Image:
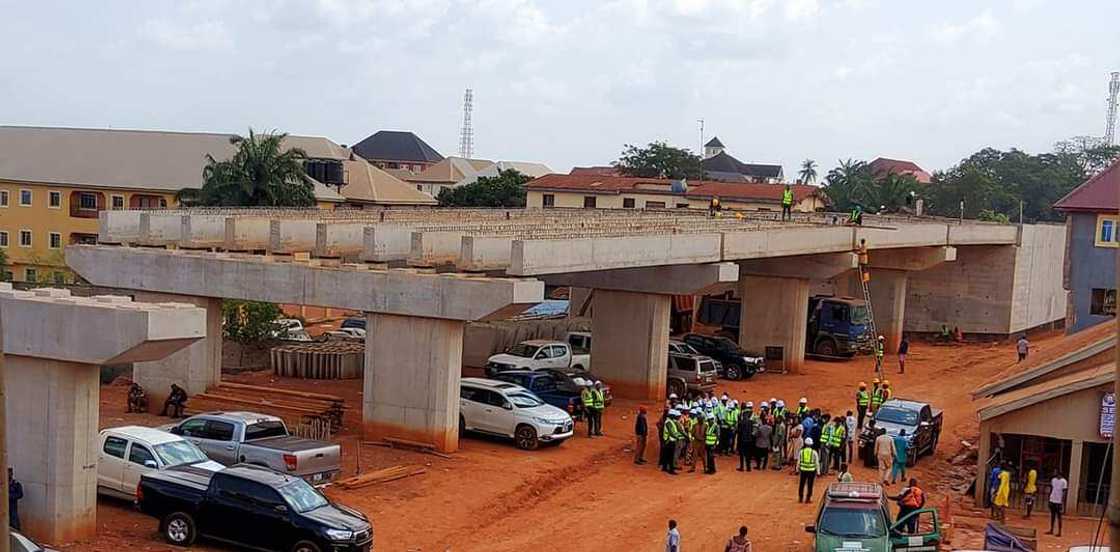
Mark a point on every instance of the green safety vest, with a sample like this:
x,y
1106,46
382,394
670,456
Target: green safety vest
x,y
877,398
862,398
802,411
836,436
586,397
878,350
711,435
731,416
787,197
780,412
671,433
826,434
807,463
597,399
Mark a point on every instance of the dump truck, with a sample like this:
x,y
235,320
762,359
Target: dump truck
x,y
835,326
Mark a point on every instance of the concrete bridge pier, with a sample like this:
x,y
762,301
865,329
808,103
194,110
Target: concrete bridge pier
x,y
195,368
54,344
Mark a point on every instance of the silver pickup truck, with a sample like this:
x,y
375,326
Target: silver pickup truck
x,y
250,438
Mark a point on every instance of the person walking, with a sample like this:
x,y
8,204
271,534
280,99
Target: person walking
x,y
641,429
1030,491
879,343
911,499
884,454
1003,494
796,441
711,441
739,543
853,435
901,447
778,444
763,440
15,494
863,402
673,538
808,462
903,349
587,399
1023,347
787,203
599,404
1058,487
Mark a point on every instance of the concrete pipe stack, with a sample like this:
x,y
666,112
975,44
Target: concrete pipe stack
x,y
330,360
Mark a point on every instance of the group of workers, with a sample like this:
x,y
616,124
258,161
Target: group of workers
x,y
174,405
594,402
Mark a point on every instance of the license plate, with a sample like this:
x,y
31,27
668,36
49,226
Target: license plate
x,y
317,477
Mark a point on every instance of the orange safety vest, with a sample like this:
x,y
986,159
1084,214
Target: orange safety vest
x,y
913,499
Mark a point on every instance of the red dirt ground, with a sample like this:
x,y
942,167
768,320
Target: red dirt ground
x,y
587,495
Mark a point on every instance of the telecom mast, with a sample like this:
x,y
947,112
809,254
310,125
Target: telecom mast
x,y
1110,120
466,133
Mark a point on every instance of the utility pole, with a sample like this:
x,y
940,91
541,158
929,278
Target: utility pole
x,y
700,150
5,530
1114,496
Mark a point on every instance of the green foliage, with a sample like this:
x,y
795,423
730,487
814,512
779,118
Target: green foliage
x,y
808,172
260,174
249,322
989,215
658,160
4,268
852,183
505,190
1092,154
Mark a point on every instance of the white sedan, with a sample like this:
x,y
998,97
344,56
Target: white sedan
x,y
126,453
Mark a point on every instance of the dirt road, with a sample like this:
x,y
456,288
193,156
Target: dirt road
x,y
587,495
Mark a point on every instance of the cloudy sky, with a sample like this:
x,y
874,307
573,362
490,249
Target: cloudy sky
x,y
568,82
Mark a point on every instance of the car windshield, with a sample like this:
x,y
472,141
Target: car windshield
x,y
301,496
177,453
896,415
264,430
853,522
726,344
860,315
686,348
524,350
524,400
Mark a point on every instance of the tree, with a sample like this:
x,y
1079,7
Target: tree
x,y
249,323
505,190
658,160
808,171
3,266
260,174
850,184
1092,153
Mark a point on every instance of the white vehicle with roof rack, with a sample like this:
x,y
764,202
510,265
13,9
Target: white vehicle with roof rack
x,y
509,410
125,453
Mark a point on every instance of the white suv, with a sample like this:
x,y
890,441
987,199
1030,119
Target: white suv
x,y
502,408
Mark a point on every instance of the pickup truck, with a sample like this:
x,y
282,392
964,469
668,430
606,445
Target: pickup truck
x,y
734,363
128,452
250,506
857,516
537,354
920,420
259,439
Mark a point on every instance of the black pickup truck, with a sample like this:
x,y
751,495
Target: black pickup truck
x,y
920,420
250,506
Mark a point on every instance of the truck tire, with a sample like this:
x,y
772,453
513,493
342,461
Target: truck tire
x,y
578,367
179,529
825,347
306,546
933,444
525,437
733,372
677,387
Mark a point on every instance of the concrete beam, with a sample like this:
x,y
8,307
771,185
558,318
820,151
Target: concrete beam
x,y
292,236
482,253
786,241
248,233
118,227
396,291
531,257
339,240
903,235
983,234
202,231
773,314
160,228
383,243
812,267
433,248
631,346
911,258
196,367
666,280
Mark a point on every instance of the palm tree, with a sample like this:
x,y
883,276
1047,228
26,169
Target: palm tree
x,y
261,173
808,172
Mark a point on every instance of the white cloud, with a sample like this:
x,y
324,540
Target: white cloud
x,y
802,9
200,36
982,27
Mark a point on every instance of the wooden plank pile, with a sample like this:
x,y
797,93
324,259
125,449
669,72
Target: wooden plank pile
x,y
326,360
379,476
320,413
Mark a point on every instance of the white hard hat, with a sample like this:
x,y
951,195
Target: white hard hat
x,y
711,416
750,404
803,400
772,399
673,395
597,382
881,338
781,404
809,441
674,412
734,402
723,397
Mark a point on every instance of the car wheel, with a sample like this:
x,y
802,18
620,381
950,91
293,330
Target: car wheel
x,y
826,348
933,444
733,372
526,438
577,367
306,546
179,529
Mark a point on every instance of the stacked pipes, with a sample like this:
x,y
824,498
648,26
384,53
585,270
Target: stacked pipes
x,y
329,360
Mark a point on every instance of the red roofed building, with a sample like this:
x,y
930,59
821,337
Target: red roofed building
x,y
1092,229
626,192
594,171
883,166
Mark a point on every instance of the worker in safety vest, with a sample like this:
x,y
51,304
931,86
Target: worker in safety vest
x,y
711,442
808,462
671,436
598,404
856,216
910,499
826,443
731,420
876,395
802,409
837,443
787,203
885,389
779,410
879,354
587,399
863,401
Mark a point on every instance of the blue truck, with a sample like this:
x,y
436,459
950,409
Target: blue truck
x,y
835,326
547,387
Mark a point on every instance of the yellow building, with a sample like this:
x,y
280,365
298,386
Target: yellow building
x,y
622,192
54,181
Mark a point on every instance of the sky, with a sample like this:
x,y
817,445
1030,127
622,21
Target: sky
x,y
570,82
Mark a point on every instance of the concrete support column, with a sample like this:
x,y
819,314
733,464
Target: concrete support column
x,y
630,349
411,382
774,313
1073,495
195,368
52,408
888,301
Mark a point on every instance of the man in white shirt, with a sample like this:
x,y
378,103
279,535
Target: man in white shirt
x,y
673,539
852,436
1022,347
1058,488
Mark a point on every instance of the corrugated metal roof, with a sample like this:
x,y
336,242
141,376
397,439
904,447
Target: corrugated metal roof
x,y
1021,398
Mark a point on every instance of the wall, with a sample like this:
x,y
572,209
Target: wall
x,y
974,292
1079,420
534,198
1088,267
1038,297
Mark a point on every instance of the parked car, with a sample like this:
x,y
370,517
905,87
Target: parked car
x,y
580,341
509,410
575,379
856,516
259,439
20,543
676,346
737,363
920,420
356,322
126,453
537,354
544,385
351,334
690,374
250,506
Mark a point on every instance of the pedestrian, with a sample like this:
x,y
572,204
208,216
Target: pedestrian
x,y
787,203
697,447
879,344
903,348
1058,487
587,399
1003,494
839,443
814,432
856,216
778,444
673,539
641,429
1030,490
901,447
599,404
853,434
1023,347
825,443
15,493
844,476
176,402
684,448
762,442
727,432
670,435
711,440
863,402
911,499
808,462
802,409
740,542
796,441
884,454
744,433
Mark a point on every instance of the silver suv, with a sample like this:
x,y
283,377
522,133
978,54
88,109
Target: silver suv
x,y
690,374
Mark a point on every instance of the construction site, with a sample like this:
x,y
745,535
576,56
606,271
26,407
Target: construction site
x,y
442,294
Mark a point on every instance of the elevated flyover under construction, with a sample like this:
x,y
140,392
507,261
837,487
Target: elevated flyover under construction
x,y
421,274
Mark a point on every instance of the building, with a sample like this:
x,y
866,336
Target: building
x,y
624,192
883,166
720,165
459,171
399,152
1090,267
55,181
1054,411
598,170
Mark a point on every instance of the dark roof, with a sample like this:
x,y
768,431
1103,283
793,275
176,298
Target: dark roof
x,y
396,145
723,162
883,165
1098,194
714,143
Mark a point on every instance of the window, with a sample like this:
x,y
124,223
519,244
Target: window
x,y
219,431
114,446
1103,302
589,202
655,205
627,203
118,202
87,201
3,198
419,188
548,200
139,454
25,238
30,275
25,198
193,428
682,206
55,240
54,199
494,398
3,238
1107,231
59,278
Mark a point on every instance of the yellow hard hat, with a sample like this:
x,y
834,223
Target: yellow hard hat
x,y
876,380
862,384
886,383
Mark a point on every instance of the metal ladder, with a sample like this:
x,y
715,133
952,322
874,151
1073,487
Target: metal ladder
x,y
864,278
